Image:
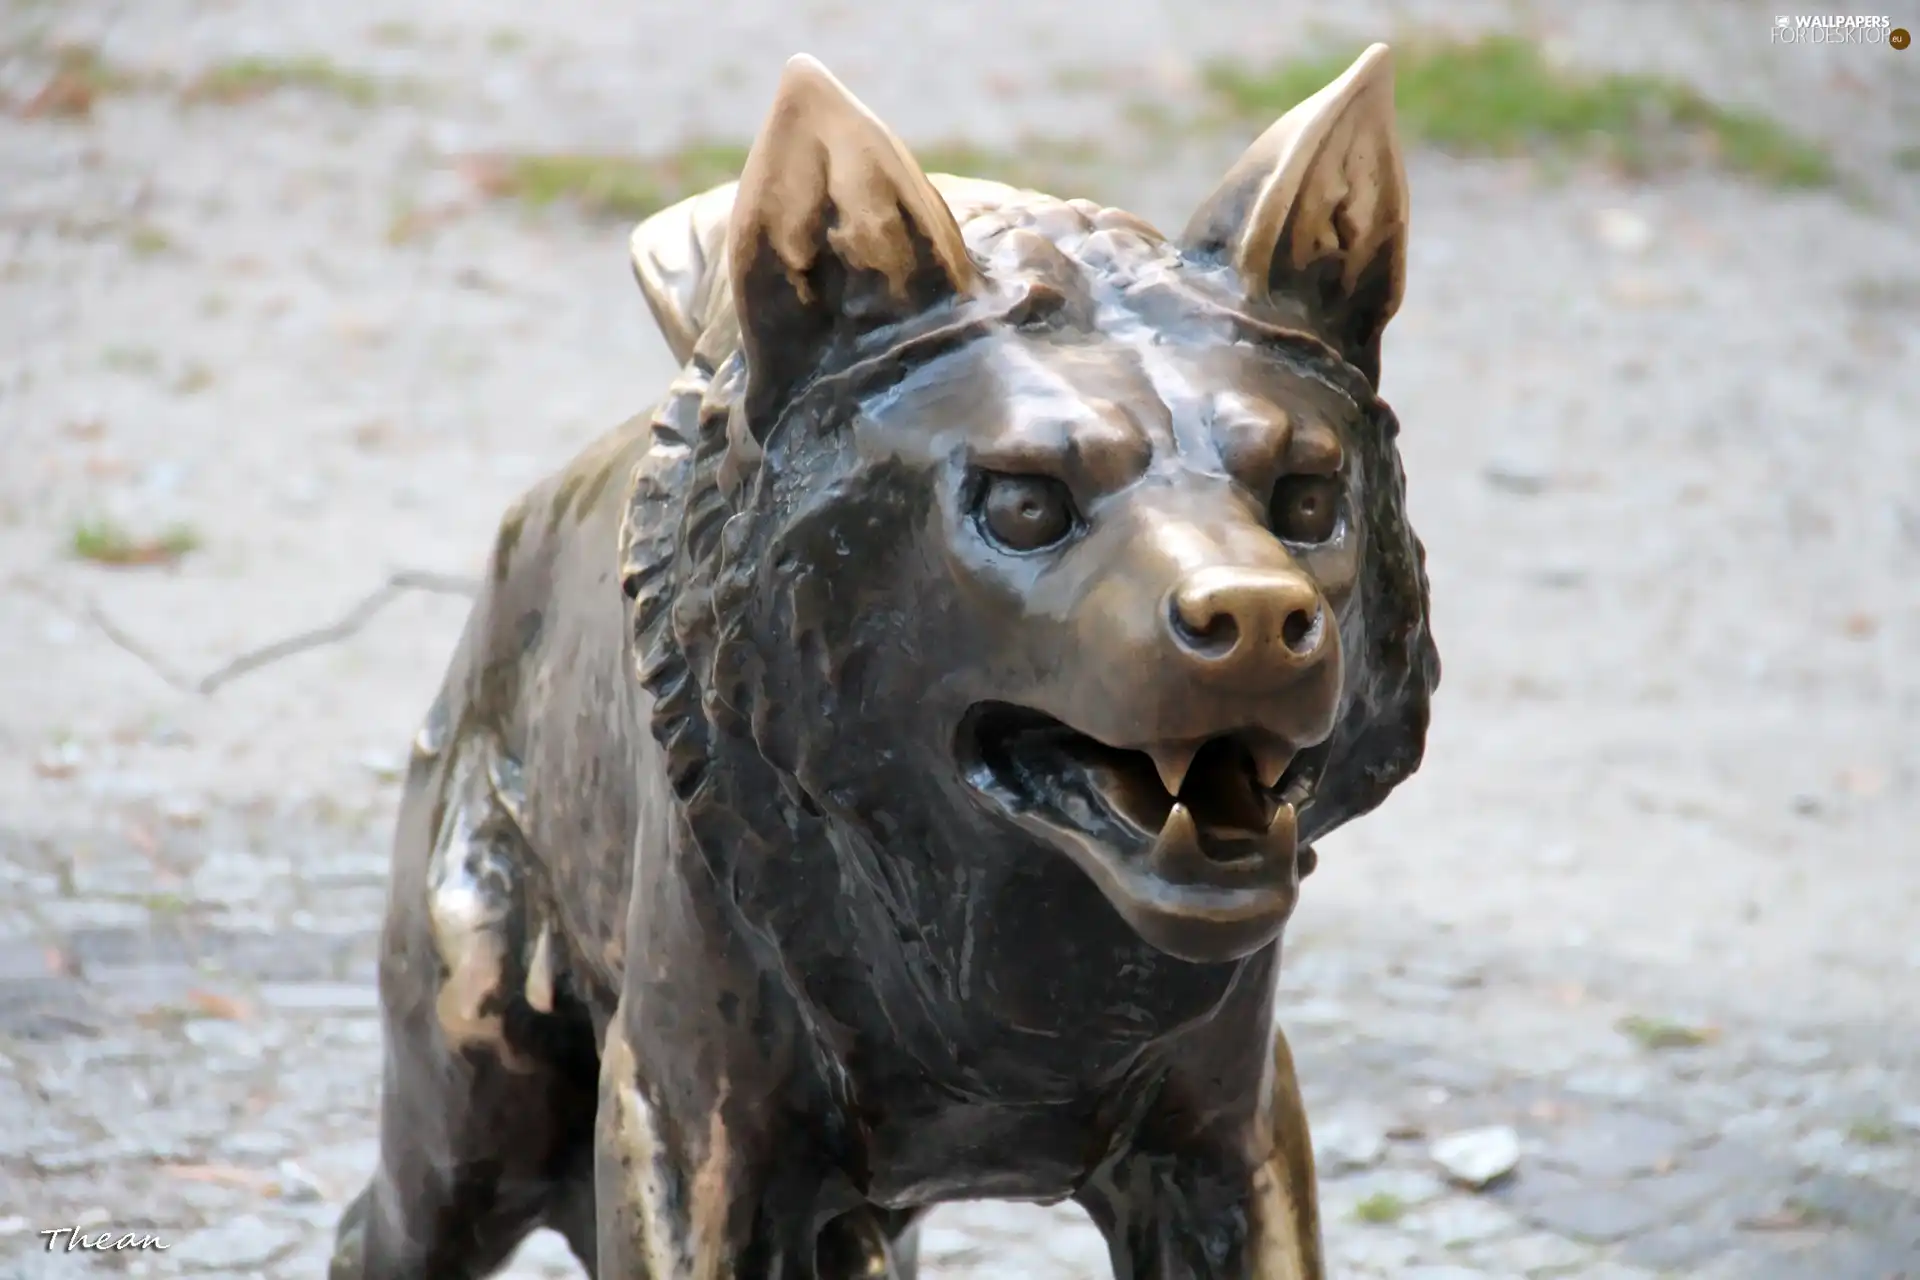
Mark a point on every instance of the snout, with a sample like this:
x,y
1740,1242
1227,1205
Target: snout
x,y
1247,626
1171,744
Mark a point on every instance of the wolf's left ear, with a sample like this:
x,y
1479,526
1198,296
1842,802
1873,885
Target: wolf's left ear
x,y
836,232
1315,212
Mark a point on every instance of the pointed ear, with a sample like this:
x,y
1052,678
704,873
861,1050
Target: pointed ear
x,y
1315,212
835,232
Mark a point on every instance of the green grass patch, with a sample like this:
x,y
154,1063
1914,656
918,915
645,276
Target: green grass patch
x,y
627,188
193,379
170,905
394,33
245,79
145,240
1798,1212
600,185
143,361
1871,1132
105,542
1499,95
1662,1033
1380,1209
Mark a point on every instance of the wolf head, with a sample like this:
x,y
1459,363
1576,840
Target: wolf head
x,y
1012,529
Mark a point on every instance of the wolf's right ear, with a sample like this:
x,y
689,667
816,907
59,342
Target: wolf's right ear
x,y
1315,212
836,232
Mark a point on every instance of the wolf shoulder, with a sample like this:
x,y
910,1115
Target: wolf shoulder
x,y
543,670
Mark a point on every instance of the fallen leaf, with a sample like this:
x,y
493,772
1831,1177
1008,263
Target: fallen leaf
x,y
1642,291
411,225
62,760
214,1005
1791,1216
66,94
1860,625
226,1175
490,176
372,435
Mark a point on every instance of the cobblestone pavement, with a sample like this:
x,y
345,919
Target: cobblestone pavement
x,y
191,1049
1645,928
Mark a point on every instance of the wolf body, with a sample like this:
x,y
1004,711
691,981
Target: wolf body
x,y
881,775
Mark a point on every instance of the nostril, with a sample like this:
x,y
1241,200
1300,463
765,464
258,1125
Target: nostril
x,y
1209,632
1300,630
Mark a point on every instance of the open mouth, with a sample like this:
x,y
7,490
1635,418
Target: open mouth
x,y
1232,787
1191,840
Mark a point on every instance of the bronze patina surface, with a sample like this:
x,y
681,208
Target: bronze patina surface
x,y
882,775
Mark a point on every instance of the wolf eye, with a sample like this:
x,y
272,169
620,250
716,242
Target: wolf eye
x,y
1026,513
1306,508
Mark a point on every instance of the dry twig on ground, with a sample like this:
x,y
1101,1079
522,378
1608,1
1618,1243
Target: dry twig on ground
x,y
349,623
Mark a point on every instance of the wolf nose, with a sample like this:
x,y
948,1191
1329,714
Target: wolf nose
x,y
1236,621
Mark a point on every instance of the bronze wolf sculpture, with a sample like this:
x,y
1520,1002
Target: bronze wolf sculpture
x,y
881,776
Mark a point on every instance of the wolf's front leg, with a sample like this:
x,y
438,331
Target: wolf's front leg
x,y
700,1196
1219,1208
666,1193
